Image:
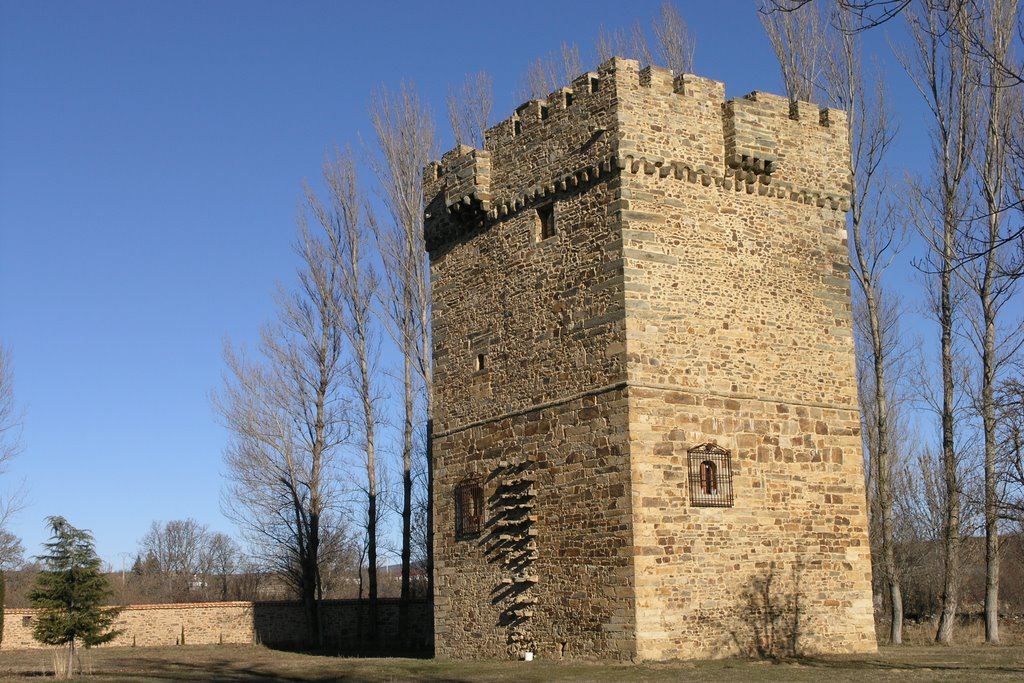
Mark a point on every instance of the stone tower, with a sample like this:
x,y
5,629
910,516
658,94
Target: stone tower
x,y
645,405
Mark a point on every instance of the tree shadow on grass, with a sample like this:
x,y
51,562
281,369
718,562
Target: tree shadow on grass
x,y
232,671
972,665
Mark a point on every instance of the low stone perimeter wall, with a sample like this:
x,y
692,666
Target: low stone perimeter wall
x,y
275,624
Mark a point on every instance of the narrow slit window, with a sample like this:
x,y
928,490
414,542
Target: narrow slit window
x,y
481,362
594,84
469,509
543,113
545,221
517,127
568,99
710,475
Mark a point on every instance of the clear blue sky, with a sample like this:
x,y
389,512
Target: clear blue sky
x,y
151,158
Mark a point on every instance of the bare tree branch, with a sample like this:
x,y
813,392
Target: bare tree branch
x,y
675,44
798,37
469,109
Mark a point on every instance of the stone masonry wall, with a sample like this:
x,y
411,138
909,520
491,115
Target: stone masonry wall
x,y
696,291
739,333
276,624
155,625
581,603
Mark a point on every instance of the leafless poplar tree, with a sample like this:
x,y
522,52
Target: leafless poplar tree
x,y
798,38
469,109
866,13
675,44
404,133
288,419
547,74
619,43
876,238
10,446
869,14
942,69
991,276
10,422
345,235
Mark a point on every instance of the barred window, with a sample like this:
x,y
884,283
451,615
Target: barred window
x,y
710,469
469,508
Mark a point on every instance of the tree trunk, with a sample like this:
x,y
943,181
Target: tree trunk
x,y
951,524
883,468
407,428
430,512
309,567
994,173
988,419
371,532
71,659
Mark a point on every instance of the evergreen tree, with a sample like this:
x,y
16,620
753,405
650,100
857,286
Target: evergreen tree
x,y
70,591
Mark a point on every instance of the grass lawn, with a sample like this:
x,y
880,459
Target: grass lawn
x,y
252,663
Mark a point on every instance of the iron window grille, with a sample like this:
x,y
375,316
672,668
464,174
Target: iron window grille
x,y
710,470
469,508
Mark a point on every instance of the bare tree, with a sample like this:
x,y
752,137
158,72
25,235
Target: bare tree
x,y
876,238
341,567
675,44
1011,450
178,550
991,277
867,13
10,436
10,419
469,109
288,419
941,67
619,43
872,13
222,560
547,74
405,142
12,552
799,39
345,232
674,47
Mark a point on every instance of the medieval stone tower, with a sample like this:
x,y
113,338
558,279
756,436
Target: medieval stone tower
x,y
644,398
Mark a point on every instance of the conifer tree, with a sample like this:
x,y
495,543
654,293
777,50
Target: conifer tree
x,y
70,592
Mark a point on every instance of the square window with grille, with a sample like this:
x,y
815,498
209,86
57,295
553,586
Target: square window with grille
x,y
710,470
469,509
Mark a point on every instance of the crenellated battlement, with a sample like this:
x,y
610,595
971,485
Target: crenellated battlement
x,y
624,118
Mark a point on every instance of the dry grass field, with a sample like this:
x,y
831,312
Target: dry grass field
x,y
251,663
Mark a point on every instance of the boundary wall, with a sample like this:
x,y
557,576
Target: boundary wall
x,y
275,624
